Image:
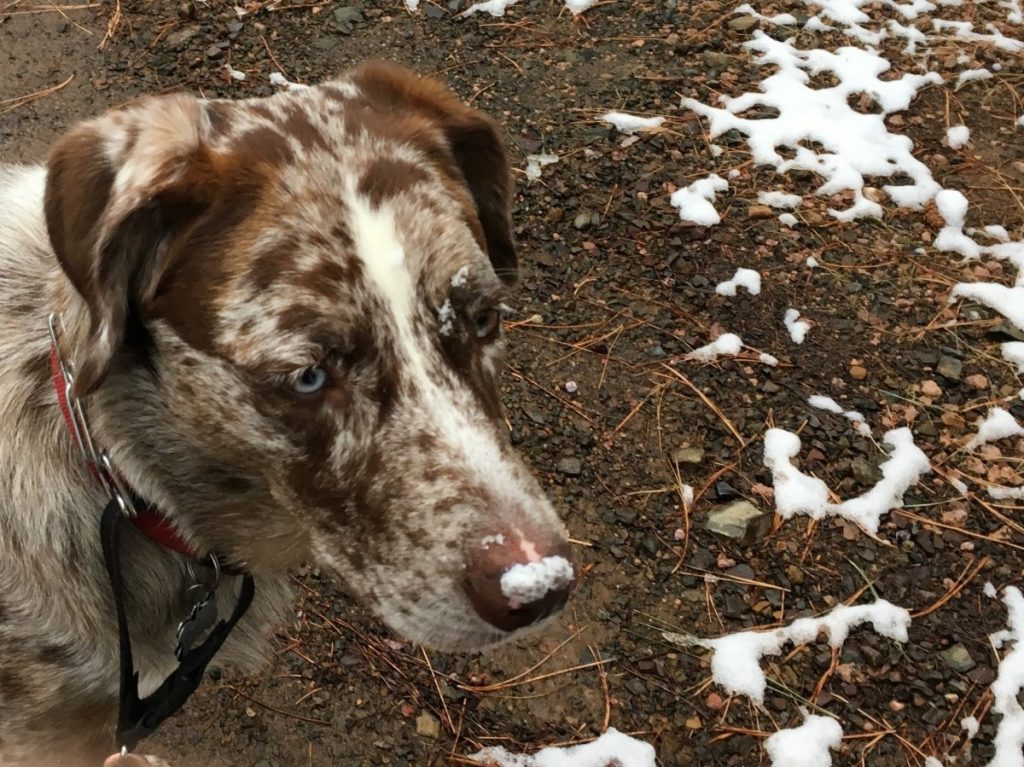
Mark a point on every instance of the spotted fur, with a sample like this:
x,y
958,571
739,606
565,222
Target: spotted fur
x,y
202,254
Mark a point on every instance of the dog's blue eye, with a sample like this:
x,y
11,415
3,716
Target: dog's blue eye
x,y
311,380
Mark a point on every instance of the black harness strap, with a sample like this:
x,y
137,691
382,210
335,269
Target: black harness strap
x,y
137,718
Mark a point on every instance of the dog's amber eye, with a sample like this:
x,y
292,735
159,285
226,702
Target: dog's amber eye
x,y
487,323
311,380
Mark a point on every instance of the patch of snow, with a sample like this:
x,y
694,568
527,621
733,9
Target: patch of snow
x,y
534,163
736,662
812,262
694,201
579,6
996,232
958,136
726,344
807,745
612,748
779,199
827,403
1007,301
526,583
990,591
788,219
797,327
959,485
627,123
280,81
1013,352
1005,493
998,424
952,207
744,278
799,493
412,5
854,145
234,74
1009,738
493,7
767,359
969,75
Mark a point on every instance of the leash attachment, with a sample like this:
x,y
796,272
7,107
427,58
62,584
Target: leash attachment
x,y
139,717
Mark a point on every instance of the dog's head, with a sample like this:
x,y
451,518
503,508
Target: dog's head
x,y
294,321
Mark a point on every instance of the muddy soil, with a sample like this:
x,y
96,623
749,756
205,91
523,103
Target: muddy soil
x,y
615,291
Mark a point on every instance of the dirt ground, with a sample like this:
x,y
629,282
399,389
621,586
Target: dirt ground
x,y
615,291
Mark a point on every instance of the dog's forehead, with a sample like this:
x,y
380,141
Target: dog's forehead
x,y
356,221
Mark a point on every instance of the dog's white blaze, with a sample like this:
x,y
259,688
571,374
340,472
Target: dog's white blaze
x,y
379,248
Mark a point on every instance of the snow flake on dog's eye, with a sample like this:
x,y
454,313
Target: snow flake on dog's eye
x,y
460,277
446,316
492,540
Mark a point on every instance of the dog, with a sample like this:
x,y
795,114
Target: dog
x,y
278,321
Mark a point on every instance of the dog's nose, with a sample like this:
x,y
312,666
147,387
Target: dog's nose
x,y
514,579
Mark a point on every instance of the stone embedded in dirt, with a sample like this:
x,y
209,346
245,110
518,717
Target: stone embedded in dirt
x,y
741,521
724,491
743,23
930,389
760,211
864,471
214,52
950,367
978,382
571,466
688,455
583,219
858,372
428,726
348,14
181,36
957,658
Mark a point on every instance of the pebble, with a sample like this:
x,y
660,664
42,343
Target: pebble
x,y
688,455
950,367
858,373
930,389
760,211
978,382
428,726
743,23
570,466
958,658
741,521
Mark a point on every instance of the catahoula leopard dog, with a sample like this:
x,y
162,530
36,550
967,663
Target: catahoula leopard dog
x,y
279,322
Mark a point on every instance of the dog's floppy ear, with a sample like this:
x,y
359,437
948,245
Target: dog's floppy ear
x,y
475,143
117,187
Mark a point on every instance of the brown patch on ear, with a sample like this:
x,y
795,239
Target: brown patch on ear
x,y
475,144
117,188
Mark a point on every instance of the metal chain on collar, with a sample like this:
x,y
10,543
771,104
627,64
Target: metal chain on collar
x,y
98,460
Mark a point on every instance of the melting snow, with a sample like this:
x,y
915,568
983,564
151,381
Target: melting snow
x,y
827,403
579,6
1009,738
612,748
797,327
958,136
526,583
694,201
736,662
779,199
627,123
1013,351
493,7
534,163
799,493
807,745
744,278
998,424
726,344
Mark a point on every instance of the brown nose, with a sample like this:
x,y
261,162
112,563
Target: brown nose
x,y
514,580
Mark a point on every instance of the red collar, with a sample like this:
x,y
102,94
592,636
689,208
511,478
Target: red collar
x,y
148,519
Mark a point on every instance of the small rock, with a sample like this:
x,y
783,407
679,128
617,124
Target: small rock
x,y
958,658
795,575
688,455
214,52
743,23
434,12
864,471
724,491
978,382
348,14
582,220
858,372
570,466
760,211
717,59
181,36
950,368
428,726
930,389
740,521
